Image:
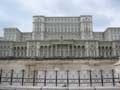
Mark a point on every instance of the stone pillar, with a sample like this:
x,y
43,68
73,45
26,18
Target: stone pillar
x,y
20,50
37,49
68,50
51,50
47,51
43,50
56,53
100,51
75,51
97,50
86,49
72,50
79,51
40,51
105,51
60,50
114,50
11,51
28,50
63,51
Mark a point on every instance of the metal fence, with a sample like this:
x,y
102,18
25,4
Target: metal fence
x,y
59,78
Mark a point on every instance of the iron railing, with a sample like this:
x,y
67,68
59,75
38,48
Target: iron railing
x,y
59,78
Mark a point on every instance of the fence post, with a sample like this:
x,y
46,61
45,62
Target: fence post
x,y
90,72
101,72
113,78
67,78
23,72
0,76
34,76
11,78
45,78
79,77
56,78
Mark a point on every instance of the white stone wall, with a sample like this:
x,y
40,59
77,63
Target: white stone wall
x,y
12,34
112,34
26,36
58,64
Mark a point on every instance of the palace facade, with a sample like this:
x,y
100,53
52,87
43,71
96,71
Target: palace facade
x,y
61,37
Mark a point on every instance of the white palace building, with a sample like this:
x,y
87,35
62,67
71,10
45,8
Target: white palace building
x,y
61,37
61,53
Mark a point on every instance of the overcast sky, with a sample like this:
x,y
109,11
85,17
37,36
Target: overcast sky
x,y
18,13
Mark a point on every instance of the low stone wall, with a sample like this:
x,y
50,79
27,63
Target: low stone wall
x,y
58,64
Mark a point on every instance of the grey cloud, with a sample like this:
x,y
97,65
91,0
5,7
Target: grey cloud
x,y
104,11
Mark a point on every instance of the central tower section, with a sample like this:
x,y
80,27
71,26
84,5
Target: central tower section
x,y
69,28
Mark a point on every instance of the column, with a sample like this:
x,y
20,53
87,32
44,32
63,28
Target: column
x,y
97,51
37,50
84,54
114,50
28,50
63,50
20,51
103,51
11,51
42,51
47,51
86,49
72,50
80,50
60,50
75,51
56,53
51,51
68,48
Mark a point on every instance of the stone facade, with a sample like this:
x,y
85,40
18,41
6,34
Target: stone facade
x,y
61,37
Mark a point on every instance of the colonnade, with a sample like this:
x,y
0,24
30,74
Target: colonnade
x,y
19,51
61,51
